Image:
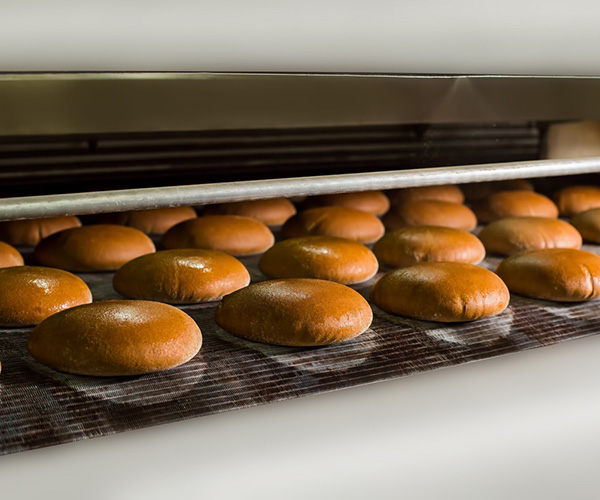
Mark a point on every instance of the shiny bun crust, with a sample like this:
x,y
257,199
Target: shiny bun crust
x,y
559,274
102,247
154,221
337,222
295,312
575,199
480,190
30,294
9,256
411,245
373,202
30,232
185,276
448,193
116,338
233,234
515,204
515,234
441,291
271,212
321,257
430,213
588,224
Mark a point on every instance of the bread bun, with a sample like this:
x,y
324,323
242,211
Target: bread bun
x,y
154,221
430,213
480,190
411,245
515,234
116,338
185,276
295,312
448,193
30,294
441,291
102,247
233,234
515,204
338,222
9,256
321,257
588,224
575,199
559,274
272,212
30,232
373,202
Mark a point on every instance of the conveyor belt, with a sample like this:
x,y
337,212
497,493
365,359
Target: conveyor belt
x,y
40,407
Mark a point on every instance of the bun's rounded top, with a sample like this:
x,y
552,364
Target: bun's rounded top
x,y
430,213
9,256
233,234
116,338
31,231
102,247
588,224
373,202
295,312
272,212
515,204
153,221
448,193
575,199
337,222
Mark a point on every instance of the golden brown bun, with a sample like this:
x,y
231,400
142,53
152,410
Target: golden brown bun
x,y
102,247
338,222
515,234
273,212
559,274
441,291
448,193
373,202
481,190
9,256
155,221
30,294
588,224
116,338
515,204
185,276
411,245
321,257
30,232
233,234
295,312
430,213
575,199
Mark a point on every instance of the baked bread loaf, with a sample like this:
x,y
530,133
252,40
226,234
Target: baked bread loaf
x,y
233,234
102,247
31,231
430,213
116,338
9,256
338,222
448,193
559,274
588,224
480,190
295,312
575,199
373,202
515,234
321,257
410,245
272,212
153,221
184,276
30,294
515,204
441,291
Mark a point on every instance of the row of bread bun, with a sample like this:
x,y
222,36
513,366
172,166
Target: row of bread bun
x,y
244,302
